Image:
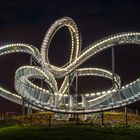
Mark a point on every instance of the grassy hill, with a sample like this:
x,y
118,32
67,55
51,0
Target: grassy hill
x,y
16,132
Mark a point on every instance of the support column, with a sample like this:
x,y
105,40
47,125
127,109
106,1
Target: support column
x,y
52,100
137,112
49,121
77,119
102,117
41,94
23,107
126,121
71,102
29,110
69,95
56,100
76,89
113,65
84,105
31,120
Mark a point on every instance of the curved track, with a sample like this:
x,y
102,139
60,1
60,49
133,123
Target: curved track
x,y
61,100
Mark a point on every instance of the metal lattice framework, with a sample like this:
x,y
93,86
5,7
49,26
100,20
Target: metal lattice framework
x,y
61,100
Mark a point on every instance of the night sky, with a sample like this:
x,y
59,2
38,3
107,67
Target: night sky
x,y
26,21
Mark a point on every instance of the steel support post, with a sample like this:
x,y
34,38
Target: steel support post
x,y
126,120
23,107
137,112
113,66
76,89
29,110
102,117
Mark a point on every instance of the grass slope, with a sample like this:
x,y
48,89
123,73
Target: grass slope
x,y
16,132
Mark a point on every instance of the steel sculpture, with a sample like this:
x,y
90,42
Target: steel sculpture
x,y
61,100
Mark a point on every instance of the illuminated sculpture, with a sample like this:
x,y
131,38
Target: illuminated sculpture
x,y
61,100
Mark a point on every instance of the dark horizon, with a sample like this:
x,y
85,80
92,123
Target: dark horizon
x,y
27,21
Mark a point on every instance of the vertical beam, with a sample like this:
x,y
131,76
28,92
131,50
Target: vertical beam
x,y
113,68
102,117
113,65
76,89
70,102
40,97
91,122
69,92
29,110
137,112
49,120
84,104
23,107
20,119
77,119
69,84
126,121
31,119
56,100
